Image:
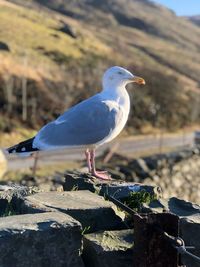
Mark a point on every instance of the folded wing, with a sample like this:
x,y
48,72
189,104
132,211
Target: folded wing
x,y
84,124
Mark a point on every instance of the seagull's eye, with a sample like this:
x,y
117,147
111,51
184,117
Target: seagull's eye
x,y
120,73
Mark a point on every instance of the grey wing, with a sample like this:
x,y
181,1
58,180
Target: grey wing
x,y
84,124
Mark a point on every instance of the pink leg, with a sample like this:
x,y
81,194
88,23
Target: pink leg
x,y
98,174
88,158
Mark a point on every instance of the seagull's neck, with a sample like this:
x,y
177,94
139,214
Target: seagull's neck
x,y
114,91
118,94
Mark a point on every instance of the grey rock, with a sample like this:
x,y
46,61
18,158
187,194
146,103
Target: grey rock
x,y
44,183
151,162
129,172
118,189
40,240
11,197
91,210
174,205
178,173
140,168
116,173
69,30
80,181
4,46
196,150
16,190
3,206
109,248
123,190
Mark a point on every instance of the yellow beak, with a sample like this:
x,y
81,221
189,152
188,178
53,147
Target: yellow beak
x,y
138,80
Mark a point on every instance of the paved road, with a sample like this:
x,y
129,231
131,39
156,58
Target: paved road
x,y
127,146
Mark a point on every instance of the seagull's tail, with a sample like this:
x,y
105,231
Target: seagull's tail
x,y
23,147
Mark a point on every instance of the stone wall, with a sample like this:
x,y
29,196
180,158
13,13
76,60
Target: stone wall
x,y
180,179
177,173
80,228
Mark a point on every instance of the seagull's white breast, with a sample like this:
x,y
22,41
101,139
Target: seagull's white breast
x,y
119,101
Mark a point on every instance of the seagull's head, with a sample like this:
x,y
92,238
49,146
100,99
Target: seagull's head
x,y
118,76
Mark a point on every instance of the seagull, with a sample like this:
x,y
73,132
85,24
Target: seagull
x,y
89,124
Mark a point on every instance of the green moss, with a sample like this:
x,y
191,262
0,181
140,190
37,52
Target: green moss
x,y
9,211
136,199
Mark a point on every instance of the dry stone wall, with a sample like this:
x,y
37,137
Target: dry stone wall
x,y
177,173
180,179
42,240
78,227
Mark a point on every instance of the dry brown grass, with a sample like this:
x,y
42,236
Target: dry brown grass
x,y
63,70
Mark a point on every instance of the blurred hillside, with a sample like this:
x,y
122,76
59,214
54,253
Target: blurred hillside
x,y
195,20
53,54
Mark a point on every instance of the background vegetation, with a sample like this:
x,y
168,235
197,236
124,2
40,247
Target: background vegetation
x,y
53,54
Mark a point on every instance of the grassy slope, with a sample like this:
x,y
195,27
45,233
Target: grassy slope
x,y
168,42
195,19
27,31
160,35
162,44
31,37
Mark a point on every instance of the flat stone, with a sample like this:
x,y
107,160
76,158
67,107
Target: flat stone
x,y
11,197
119,189
91,210
108,248
40,240
182,208
80,181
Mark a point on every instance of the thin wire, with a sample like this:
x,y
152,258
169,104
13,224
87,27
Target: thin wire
x,y
182,250
123,206
192,255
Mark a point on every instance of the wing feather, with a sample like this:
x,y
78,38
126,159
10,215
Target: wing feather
x,y
87,123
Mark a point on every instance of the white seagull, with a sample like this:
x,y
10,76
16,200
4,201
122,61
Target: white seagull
x,y
89,124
